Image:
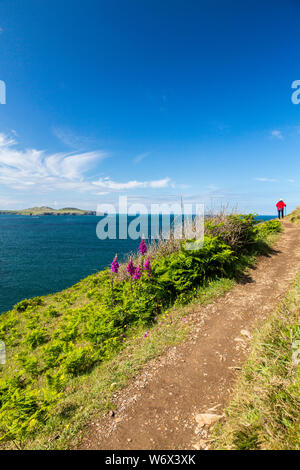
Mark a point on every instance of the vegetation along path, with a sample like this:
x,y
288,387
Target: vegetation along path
x,y
177,396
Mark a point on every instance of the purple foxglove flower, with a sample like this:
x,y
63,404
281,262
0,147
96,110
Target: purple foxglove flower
x,y
143,247
137,272
115,265
130,268
147,266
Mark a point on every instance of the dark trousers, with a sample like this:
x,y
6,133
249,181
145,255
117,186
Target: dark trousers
x,y
280,213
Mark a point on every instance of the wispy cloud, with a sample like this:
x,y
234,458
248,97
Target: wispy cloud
x,y
277,134
35,169
6,141
71,139
266,180
10,203
141,157
112,185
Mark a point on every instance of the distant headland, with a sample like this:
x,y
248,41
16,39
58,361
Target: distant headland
x,y
44,210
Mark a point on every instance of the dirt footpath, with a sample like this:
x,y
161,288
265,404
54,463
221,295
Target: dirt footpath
x,y
171,404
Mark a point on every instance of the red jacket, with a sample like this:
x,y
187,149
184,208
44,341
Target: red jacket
x,y
280,205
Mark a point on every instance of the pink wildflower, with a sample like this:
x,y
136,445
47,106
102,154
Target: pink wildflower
x,y
137,273
130,268
147,266
143,247
115,265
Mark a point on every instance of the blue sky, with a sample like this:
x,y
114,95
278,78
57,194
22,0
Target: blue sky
x,y
153,99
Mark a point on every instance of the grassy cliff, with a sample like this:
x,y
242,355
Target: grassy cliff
x,y
294,216
67,352
44,210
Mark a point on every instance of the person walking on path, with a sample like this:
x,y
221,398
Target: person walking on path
x,y
280,207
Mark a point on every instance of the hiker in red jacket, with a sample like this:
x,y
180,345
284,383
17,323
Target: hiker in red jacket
x,y
280,207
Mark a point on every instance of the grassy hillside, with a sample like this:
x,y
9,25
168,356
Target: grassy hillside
x,y
68,352
265,409
44,210
294,216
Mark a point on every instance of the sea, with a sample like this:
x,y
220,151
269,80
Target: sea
x,y
41,255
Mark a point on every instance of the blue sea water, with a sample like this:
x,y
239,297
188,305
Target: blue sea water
x,y
45,254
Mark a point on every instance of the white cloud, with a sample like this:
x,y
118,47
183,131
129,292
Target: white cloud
x,y
9,202
277,134
71,139
141,157
34,169
112,185
71,166
266,180
163,183
6,141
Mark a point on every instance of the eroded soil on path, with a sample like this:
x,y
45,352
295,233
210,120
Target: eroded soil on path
x,y
177,396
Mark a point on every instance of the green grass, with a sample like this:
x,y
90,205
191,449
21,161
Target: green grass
x,y
92,394
265,409
294,216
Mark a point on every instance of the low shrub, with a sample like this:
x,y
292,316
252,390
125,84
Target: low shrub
x,y
7,326
236,230
182,271
270,226
79,361
24,304
23,410
36,337
52,353
29,363
52,311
